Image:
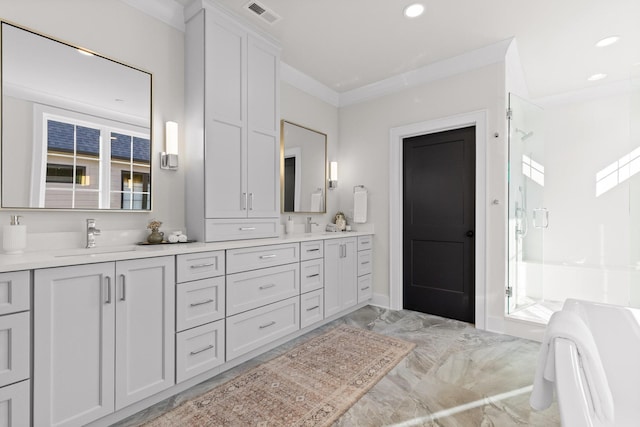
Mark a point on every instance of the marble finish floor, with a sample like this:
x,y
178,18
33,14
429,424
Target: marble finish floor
x,y
456,376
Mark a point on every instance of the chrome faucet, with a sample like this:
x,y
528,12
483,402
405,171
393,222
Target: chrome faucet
x,y
307,225
92,232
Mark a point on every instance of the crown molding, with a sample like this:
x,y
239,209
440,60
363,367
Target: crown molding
x,y
305,83
167,11
478,58
620,87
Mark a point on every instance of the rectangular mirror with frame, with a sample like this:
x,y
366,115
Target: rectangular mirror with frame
x,y
303,169
76,127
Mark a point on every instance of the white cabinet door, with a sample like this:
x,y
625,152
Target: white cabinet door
x,y
15,410
73,366
332,261
225,114
349,274
340,275
263,166
145,331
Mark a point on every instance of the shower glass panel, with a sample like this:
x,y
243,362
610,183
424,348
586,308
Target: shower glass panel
x,y
528,216
634,193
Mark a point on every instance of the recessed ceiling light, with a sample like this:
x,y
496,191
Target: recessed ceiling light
x,y
607,41
413,10
597,76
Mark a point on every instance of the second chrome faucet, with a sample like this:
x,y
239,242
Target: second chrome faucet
x,y
92,232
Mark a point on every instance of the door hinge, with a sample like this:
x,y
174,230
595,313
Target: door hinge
x,y
509,291
509,113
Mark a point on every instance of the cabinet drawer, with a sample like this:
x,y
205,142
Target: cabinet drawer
x,y
311,250
250,330
15,408
199,302
252,289
15,344
199,349
200,265
14,292
261,256
311,275
365,242
311,308
236,229
365,288
364,262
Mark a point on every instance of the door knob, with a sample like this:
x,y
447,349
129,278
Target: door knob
x,y
469,233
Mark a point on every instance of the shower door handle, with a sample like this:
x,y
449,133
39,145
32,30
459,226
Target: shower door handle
x,y
541,218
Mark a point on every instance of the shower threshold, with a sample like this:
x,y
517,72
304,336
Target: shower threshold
x,y
536,311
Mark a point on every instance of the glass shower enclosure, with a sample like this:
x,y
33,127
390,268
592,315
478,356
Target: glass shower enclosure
x,y
528,216
574,203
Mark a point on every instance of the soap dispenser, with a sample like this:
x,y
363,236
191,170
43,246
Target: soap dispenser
x,y
288,228
14,236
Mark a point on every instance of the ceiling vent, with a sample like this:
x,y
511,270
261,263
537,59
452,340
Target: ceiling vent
x,y
260,10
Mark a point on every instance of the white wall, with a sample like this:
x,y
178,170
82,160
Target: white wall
x,y
364,159
123,33
582,139
306,110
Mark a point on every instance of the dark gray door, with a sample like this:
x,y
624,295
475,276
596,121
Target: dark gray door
x,y
439,223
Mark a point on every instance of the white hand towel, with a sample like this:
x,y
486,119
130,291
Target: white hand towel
x,y
316,202
360,206
569,325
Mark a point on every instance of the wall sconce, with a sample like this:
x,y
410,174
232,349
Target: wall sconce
x,y
169,157
333,175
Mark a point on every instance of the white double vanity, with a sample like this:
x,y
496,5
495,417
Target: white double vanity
x,y
116,332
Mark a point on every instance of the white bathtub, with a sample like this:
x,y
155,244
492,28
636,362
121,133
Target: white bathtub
x,y
616,331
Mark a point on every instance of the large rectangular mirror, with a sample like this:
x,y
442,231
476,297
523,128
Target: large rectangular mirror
x,y
76,127
303,169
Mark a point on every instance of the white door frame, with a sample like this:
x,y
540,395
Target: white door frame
x,y
397,135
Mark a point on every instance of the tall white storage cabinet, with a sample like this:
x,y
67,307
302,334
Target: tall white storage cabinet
x,y
232,128
103,338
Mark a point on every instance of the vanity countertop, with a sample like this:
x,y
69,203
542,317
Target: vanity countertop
x,y
59,258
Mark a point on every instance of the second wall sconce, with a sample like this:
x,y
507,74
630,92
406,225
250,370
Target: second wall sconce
x,y
169,157
333,175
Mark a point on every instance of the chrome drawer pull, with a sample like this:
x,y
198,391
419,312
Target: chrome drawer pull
x,y
268,324
313,250
364,262
313,275
267,256
313,308
364,289
209,347
123,296
195,304
212,264
270,285
365,242
108,280
247,228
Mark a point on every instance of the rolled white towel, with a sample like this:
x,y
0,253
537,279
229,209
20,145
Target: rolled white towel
x,y
570,326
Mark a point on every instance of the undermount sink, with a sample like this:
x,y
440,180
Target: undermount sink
x,y
93,252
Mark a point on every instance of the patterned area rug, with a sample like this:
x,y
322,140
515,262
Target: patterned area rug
x,y
312,384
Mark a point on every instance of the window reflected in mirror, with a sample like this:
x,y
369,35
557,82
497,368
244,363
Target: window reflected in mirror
x,y
76,127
